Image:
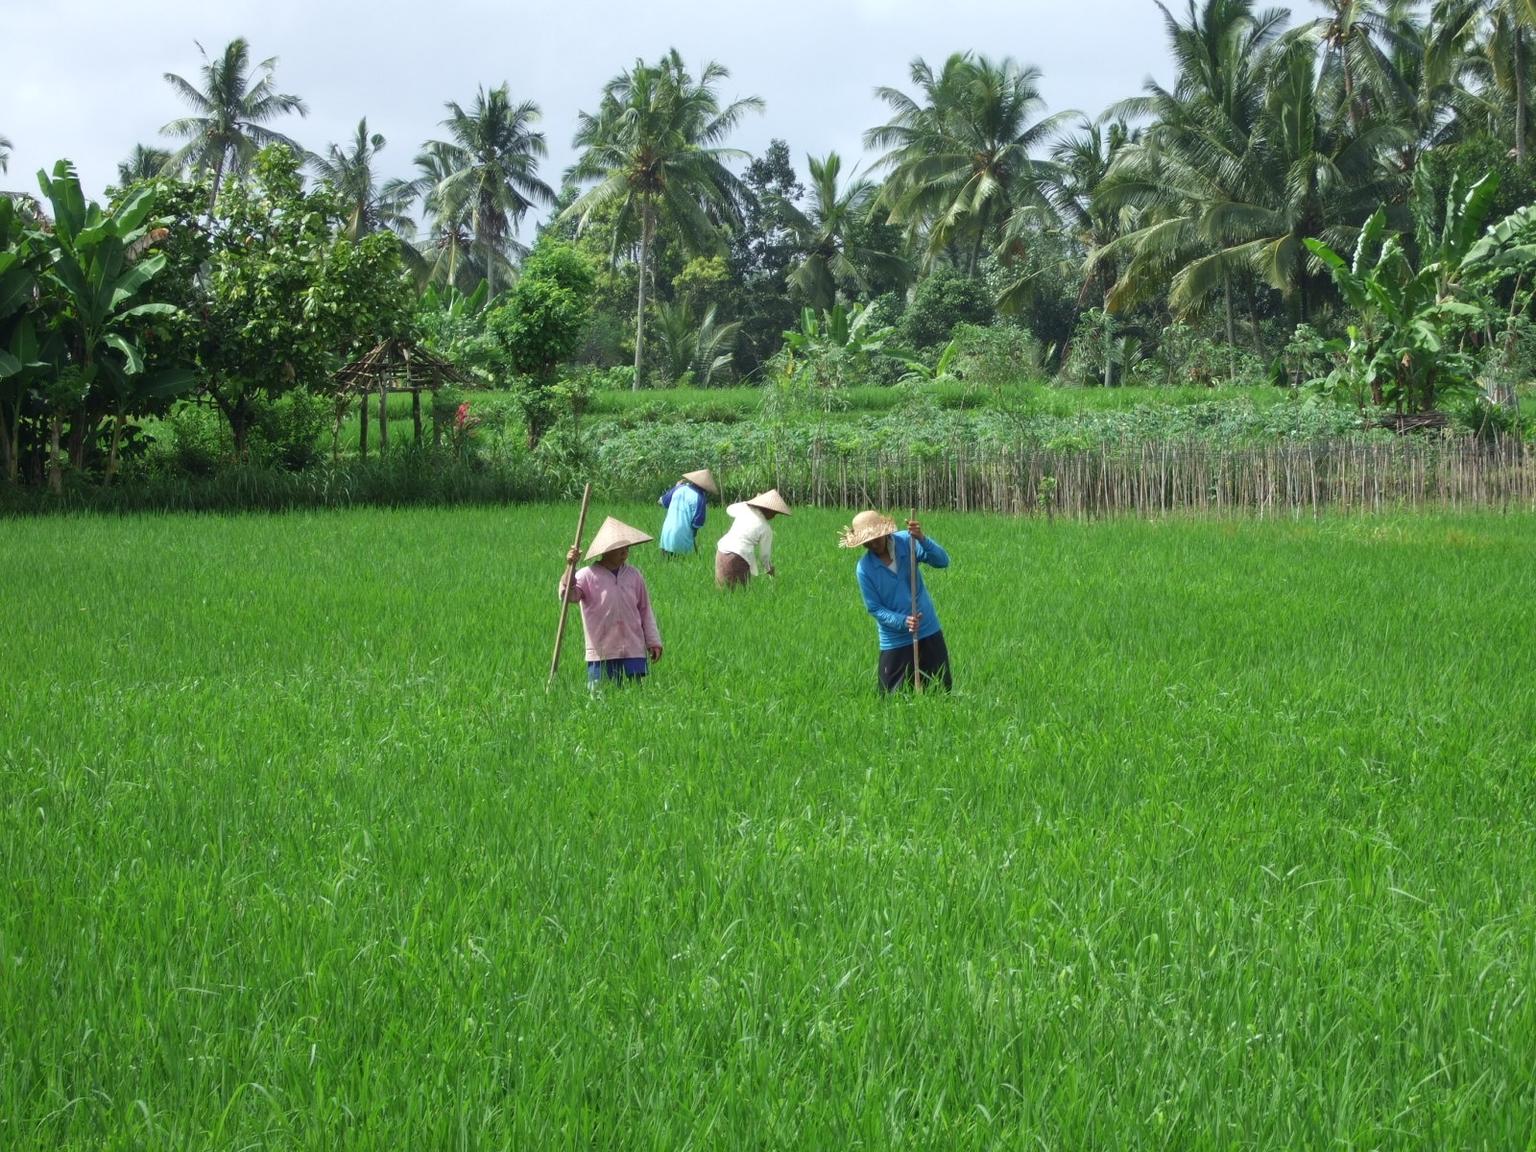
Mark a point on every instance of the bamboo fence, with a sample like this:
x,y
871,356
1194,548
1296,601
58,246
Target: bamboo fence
x,y
1151,478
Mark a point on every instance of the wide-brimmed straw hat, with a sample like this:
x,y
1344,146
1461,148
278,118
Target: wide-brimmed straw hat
x,y
771,501
866,526
704,478
615,534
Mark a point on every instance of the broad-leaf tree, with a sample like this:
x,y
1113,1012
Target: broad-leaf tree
x,y
655,147
762,250
94,288
540,325
231,112
1408,348
22,252
285,299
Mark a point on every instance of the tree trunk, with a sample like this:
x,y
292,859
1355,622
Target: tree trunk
x,y
1109,352
7,451
218,176
118,421
975,254
77,437
490,275
1521,94
55,462
1226,285
647,226
1253,316
238,429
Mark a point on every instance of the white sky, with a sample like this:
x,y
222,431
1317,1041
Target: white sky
x,y
83,78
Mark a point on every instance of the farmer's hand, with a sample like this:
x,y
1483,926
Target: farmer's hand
x,y
573,555
916,531
913,621
655,651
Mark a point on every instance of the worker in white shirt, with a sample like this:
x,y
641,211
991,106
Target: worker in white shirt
x,y
747,549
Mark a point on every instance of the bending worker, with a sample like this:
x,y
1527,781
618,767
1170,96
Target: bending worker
x,y
685,502
747,549
884,573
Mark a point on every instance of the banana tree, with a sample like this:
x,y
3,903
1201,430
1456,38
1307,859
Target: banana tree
x,y
1409,346
94,287
19,257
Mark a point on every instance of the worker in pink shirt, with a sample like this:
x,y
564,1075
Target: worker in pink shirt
x,y
616,617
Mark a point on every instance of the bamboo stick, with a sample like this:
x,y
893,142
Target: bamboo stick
x,y
570,577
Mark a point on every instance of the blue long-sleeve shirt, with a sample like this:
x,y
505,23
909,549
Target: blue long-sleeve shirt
x,y
888,594
686,507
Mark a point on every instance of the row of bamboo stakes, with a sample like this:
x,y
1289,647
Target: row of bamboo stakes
x,y
1150,478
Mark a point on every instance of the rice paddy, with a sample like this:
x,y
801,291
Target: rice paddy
x,y
1223,840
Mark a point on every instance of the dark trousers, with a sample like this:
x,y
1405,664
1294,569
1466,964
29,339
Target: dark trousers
x,y
932,661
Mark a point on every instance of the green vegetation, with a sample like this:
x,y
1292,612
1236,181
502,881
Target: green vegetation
x,y
1224,838
1187,236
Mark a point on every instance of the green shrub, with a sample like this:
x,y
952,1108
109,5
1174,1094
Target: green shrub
x,y
941,302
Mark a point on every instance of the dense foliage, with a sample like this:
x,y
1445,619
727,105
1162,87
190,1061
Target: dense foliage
x,y
1189,235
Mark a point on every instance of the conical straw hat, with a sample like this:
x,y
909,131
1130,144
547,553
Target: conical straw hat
x,y
615,534
866,526
771,501
705,479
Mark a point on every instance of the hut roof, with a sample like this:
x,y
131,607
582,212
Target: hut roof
x,y
400,366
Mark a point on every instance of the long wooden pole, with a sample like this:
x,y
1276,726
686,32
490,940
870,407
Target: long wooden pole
x,y
917,672
570,576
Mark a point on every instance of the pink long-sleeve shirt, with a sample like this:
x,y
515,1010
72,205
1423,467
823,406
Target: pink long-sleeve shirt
x,y
615,612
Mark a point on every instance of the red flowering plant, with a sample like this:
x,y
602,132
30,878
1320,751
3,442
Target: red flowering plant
x,y
464,424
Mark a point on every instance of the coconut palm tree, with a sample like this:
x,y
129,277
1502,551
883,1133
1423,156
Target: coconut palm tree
x,y
654,147
1359,39
1082,159
1503,63
350,174
489,171
959,154
229,127
826,231
448,254
145,162
1247,158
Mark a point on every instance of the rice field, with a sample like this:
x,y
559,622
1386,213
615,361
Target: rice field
x,y
1224,840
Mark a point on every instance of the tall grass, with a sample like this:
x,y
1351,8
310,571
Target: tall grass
x,y
1223,840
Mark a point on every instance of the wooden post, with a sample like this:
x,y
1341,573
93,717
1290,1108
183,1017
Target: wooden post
x,y
416,413
383,420
917,672
570,576
362,433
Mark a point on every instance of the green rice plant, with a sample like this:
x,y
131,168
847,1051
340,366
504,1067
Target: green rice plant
x,y
1213,845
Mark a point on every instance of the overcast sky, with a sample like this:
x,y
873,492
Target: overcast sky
x,y
82,79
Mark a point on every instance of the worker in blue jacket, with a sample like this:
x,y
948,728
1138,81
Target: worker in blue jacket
x,y
686,503
885,574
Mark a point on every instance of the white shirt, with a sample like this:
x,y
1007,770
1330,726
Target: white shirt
x,y
750,537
